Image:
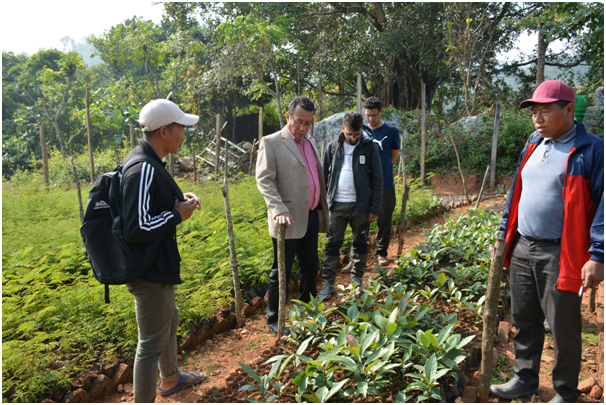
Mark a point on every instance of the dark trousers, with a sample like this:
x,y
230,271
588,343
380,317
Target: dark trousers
x,y
535,267
306,250
388,204
341,215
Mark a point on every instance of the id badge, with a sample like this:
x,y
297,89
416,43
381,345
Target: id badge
x,y
362,159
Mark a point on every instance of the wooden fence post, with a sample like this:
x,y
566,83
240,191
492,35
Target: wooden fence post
x,y
460,169
359,93
171,164
77,180
482,188
282,279
260,123
90,138
423,141
495,139
193,156
44,156
132,136
491,308
232,253
218,144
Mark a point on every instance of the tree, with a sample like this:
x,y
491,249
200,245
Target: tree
x,y
54,87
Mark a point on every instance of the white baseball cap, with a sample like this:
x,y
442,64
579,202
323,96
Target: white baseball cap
x,y
160,113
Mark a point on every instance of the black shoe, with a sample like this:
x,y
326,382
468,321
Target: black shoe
x,y
514,388
273,328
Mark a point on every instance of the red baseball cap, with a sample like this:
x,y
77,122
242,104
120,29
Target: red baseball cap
x,y
551,91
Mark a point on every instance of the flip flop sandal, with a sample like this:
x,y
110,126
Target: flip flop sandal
x,y
183,384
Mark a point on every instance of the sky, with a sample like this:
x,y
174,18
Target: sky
x,y
28,26
33,25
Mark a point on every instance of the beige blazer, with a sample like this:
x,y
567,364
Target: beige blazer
x,y
282,181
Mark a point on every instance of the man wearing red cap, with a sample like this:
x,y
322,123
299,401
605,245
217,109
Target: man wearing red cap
x,y
554,228
152,207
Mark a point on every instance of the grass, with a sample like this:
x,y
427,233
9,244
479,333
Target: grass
x,y
590,336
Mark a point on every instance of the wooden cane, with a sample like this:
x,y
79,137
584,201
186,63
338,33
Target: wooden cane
x,y
282,279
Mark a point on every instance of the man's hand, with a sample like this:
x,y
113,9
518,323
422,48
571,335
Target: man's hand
x,y
195,197
592,274
372,218
187,207
284,218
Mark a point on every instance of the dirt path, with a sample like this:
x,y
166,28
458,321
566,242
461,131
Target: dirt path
x,y
219,357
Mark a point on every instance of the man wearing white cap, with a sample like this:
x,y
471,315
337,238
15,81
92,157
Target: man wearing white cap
x,y
554,228
152,207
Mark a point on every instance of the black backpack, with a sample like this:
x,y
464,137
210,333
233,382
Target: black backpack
x,y
113,260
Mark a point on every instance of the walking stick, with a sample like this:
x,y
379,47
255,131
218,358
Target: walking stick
x,y
281,279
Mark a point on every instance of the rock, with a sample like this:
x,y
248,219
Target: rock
x,y
504,329
596,392
120,388
57,393
101,387
586,385
77,397
230,321
87,381
187,342
460,400
598,97
203,334
503,376
108,369
328,129
187,162
258,303
473,198
219,325
475,380
247,310
246,145
463,380
122,375
547,359
128,388
390,273
48,401
508,318
179,357
470,393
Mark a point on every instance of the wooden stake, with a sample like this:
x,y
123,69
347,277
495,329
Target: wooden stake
x,y
90,138
491,308
495,139
482,188
359,93
44,156
460,168
402,218
132,136
77,179
282,278
218,144
171,164
260,123
252,157
232,254
193,156
423,141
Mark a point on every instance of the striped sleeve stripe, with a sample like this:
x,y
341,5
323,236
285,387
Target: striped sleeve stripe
x,y
147,222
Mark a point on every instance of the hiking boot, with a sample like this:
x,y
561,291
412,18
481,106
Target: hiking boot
x,y
273,328
356,279
326,290
382,260
348,268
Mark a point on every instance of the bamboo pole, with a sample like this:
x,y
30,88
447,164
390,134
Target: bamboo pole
x,y
460,169
90,137
44,156
132,136
282,279
218,144
491,308
423,133
495,139
232,253
482,188
77,179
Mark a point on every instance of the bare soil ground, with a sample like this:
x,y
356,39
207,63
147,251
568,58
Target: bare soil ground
x,y
219,357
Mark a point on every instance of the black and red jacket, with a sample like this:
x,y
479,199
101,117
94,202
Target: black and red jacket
x,y
583,230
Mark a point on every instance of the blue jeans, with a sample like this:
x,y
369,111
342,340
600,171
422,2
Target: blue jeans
x,y
157,319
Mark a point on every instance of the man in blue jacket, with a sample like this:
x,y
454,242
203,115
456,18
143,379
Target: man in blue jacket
x,y
354,184
554,228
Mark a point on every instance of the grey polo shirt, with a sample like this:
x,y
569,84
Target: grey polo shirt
x,y
541,208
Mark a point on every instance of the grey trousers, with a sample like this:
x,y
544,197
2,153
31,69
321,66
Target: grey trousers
x,y
157,320
388,204
535,267
342,214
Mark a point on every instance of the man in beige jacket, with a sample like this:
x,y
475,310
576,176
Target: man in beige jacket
x,y
289,176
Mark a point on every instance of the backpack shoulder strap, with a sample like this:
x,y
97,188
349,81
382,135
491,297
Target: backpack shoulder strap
x,y
159,169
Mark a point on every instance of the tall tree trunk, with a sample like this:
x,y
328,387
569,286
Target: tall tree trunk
x,y
542,49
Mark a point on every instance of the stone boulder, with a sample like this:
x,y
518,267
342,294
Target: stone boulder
x,y
598,97
101,387
122,375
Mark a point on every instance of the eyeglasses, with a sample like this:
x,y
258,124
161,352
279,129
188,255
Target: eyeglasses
x,y
301,124
372,115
